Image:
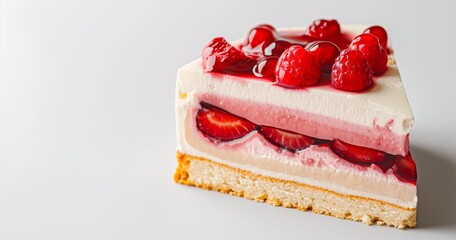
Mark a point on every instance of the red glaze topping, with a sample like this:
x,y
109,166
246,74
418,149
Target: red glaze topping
x,y
323,39
221,126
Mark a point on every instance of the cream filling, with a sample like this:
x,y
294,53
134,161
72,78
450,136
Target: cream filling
x,y
315,166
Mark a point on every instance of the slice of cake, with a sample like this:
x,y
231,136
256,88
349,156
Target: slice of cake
x,y
311,118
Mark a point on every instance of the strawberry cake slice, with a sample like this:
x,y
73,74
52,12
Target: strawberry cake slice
x,y
311,118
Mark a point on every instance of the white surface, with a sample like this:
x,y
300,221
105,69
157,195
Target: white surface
x,y
87,135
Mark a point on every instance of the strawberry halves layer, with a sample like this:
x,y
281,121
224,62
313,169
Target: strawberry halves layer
x,y
222,126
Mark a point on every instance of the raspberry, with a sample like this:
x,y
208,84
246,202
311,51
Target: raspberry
x,y
325,52
380,33
276,48
324,29
265,68
220,56
373,52
270,27
351,72
262,34
297,68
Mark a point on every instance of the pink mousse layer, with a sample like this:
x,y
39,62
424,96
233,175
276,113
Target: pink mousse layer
x,y
314,125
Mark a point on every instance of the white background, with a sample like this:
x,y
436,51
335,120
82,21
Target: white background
x,y
87,136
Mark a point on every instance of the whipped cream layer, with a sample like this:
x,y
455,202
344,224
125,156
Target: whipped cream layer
x,y
315,166
382,113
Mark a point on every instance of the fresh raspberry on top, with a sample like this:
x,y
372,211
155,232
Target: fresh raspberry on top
x,y
221,56
265,68
268,26
324,29
380,33
351,72
297,68
262,34
374,53
325,52
276,48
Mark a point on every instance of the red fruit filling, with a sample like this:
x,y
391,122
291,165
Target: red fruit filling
x,y
357,154
374,53
221,126
297,68
351,72
405,168
286,139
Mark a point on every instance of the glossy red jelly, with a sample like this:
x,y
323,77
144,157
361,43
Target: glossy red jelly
x,y
256,56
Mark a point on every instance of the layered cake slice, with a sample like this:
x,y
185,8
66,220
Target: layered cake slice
x,y
311,118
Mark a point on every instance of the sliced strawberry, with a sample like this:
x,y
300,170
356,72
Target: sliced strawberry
x,y
360,155
222,126
386,164
405,168
286,139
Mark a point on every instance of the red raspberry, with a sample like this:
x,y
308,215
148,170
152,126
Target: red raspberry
x,y
297,68
351,72
380,33
373,52
276,48
324,29
265,68
220,56
270,27
325,52
262,34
